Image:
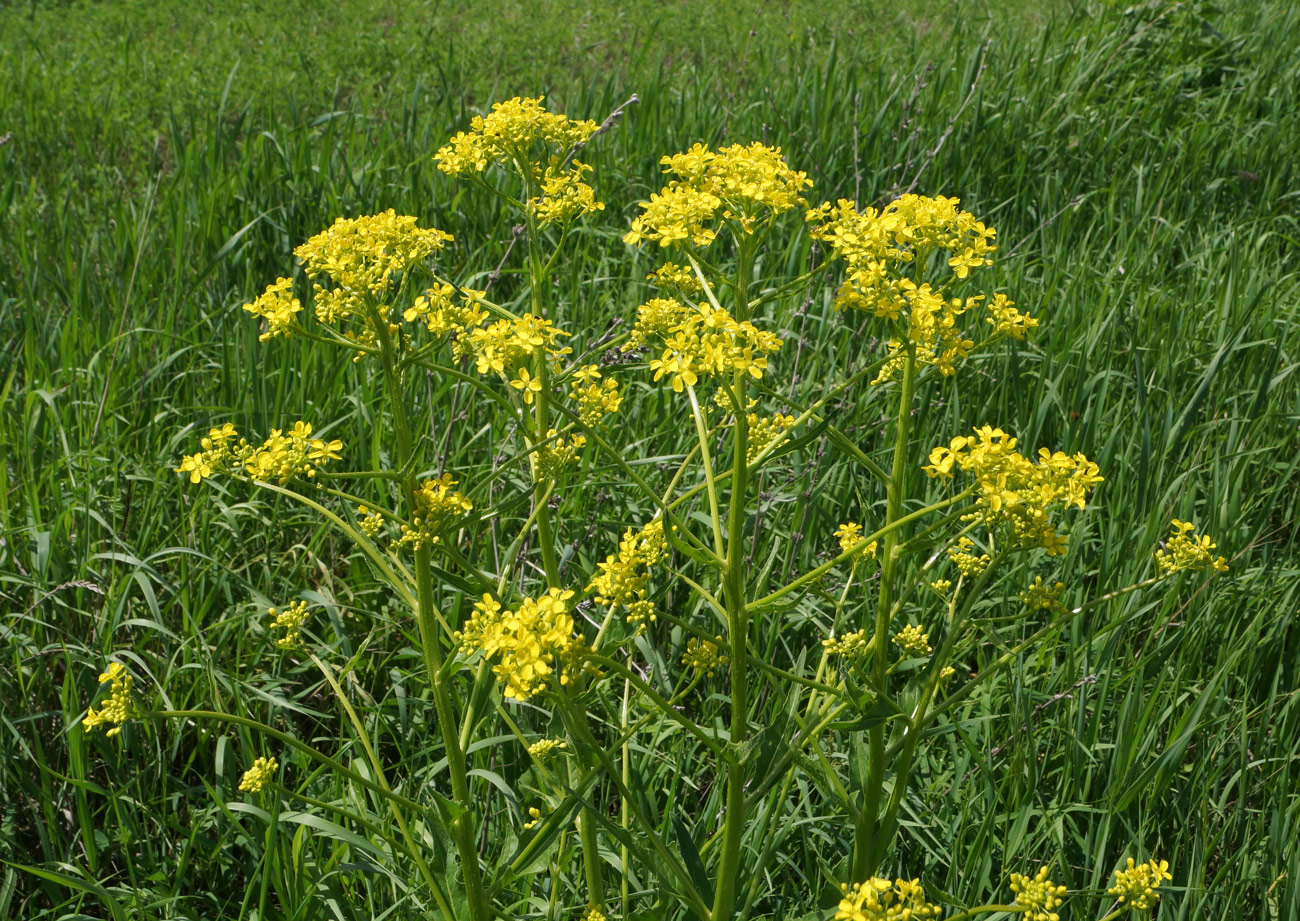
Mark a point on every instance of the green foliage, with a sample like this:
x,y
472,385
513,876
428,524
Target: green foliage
x,y
1141,166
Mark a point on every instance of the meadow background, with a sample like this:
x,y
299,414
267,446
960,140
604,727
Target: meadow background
x,y
159,161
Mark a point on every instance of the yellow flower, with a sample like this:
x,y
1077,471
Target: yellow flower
x,y
438,507
851,645
1135,886
1043,597
525,642
1014,493
1187,550
544,747
880,247
290,620
881,900
564,196
118,707
850,536
517,131
1039,895
259,775
623,576
528,384
914,641
278,307
704,656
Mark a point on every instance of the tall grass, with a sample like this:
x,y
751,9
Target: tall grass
x,y
1141,168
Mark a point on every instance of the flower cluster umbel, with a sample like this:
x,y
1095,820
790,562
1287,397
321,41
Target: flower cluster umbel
x,y
881,900
118,707
1017,494
744,186
284,456
1135,885
526,642
886,252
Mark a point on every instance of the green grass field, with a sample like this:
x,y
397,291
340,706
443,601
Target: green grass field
x,y
160,161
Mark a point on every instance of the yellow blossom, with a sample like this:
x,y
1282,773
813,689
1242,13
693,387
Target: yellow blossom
x,y
850,536
881,900
525,642
1135,886
744,185
704,656
290,620
1187,550
544,747
259,775
519,131
278,307
118,707
1039,895
913,641
437,508
850,645
1019,495
528,384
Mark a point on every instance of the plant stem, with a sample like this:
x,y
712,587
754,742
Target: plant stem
x,y
461,826
867,849
737,616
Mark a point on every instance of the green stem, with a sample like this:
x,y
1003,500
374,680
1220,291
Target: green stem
x,y
462,826
867,846
702,434
737,617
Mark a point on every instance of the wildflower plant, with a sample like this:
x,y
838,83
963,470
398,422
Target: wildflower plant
x,y
581,666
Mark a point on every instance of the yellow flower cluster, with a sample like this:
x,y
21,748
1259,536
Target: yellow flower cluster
x,y
881,900
282,457
564,195
741,184
885,252
118,707
850,536
595,400
913,641
699,340
594,914
763,431
285,456
1043,597
278,307
704,656
291,620
875,244
543,748
1014,490
362,256
968,564
850,645
259,775
218,450
1187,550
558,453
534,816
1039,896
437,507
623,576
442,310
526,641
517,132
673,277
1135,886
371,522
503,346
